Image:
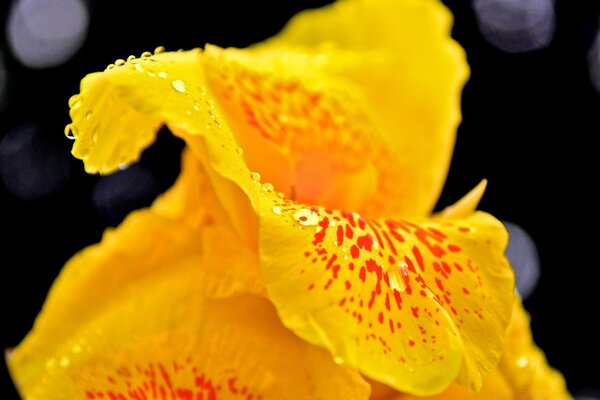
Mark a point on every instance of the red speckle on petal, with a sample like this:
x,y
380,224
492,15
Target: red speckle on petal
x,y
418,257
454,248
354,251
362,274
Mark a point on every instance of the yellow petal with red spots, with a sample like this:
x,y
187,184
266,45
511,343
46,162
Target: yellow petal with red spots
x,y
522,373
333,103
413,304
154,312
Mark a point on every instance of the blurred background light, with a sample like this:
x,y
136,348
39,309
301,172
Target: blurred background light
x,y
523,256
3,82
32,167
594,62
114,196
516,25
46,33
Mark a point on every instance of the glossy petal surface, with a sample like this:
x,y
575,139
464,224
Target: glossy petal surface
x,y
405,302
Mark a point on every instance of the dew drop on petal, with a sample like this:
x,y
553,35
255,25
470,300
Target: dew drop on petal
x,y
239,151
179,85
69,132
159,49
276,210
306,217
74,101
267,187
162,74
119,62
255,176
146,54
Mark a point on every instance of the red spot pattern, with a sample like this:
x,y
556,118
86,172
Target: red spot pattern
x,y
379,264
168,381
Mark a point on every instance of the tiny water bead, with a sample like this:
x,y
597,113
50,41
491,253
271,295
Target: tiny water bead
x,y
267,187
255,176
119,62
178,85
74,101
276,210
239,151
69,132
162,74
306,217
159,49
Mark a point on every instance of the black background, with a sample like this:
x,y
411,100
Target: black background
x,y
530,121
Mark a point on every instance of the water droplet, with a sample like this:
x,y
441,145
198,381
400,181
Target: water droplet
x,y
74,101
162,74
276,210
255,176
146,54
267,187
217,123
280,195
239,151
64,362
122,166
397,276
69,132
130,58
196,107
159,49
151,74
211,114
522,362
110,66
306,217
139,68
88,115
178,85
119,62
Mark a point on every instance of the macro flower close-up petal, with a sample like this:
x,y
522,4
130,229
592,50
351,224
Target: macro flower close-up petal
x,y
299,254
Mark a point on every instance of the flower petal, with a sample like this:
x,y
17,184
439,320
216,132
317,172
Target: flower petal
x,y
494,387
155,310
378,82
413,304
118,111
522,373
524,365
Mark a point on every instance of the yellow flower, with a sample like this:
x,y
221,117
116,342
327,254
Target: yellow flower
x,y
522,373
296,253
